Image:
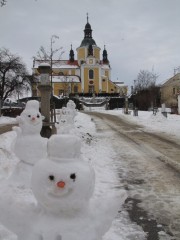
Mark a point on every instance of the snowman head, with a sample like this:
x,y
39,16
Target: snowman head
x,y
71,105
30,120
63,182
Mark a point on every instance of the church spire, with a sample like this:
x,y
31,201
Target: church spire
x,y
71,55
105,55
87,18
87,30
88,40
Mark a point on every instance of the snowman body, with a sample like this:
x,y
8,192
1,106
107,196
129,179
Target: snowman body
x,y
29,146
66,121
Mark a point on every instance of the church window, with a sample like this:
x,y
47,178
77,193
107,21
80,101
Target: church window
x,y
91,74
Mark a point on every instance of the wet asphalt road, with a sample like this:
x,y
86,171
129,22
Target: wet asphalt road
x,y
152,179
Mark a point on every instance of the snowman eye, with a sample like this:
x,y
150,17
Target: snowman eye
x,y
51,177
29,116
38,116
73,176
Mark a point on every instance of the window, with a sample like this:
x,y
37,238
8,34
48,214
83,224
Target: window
x,y
91,74
174,90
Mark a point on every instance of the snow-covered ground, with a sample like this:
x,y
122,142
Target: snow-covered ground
x,y
97,149
152,123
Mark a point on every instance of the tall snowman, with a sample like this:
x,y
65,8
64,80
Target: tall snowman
x,y
71,106
66,119
29,146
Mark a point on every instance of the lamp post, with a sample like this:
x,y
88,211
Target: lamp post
x,y
126,105
45,89
53,37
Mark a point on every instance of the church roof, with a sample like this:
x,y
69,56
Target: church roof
x,y
88,40
58,63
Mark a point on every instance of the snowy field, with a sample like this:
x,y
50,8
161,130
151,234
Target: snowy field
x,y
96,149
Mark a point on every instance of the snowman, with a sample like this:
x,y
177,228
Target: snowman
x,y
66,209
63,185
66,119
29,146
71,106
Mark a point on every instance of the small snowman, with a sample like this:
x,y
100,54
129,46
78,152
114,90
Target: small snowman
x,y
66,119
71,106
66,209
29,146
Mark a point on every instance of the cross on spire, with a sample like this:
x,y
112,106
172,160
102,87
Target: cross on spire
x,y
87,17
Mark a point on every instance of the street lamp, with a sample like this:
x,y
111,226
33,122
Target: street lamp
x,y
53,37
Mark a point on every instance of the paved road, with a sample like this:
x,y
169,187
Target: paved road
x,y
148,168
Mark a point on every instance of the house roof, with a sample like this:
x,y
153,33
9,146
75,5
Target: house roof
x,y
173,80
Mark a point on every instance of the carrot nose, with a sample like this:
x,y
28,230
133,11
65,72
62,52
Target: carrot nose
x,y
61,184
33,118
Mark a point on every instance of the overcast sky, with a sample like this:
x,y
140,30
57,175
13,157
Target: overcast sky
x,y
138,34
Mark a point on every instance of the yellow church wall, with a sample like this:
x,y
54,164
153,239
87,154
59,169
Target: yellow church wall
x,y
95,80
73,72
97,53
86,80
107,73
57,87
81,53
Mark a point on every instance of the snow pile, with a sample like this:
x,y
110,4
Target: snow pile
x,y
63,184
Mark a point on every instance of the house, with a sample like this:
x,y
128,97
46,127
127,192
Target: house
x,y
170,90
88,74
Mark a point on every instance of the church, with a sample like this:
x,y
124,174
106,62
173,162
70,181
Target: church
x,y
88,74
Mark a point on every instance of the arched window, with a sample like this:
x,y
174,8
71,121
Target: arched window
x,y
91,74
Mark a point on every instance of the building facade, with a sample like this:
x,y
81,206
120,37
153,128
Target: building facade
x,y
170,90
90,73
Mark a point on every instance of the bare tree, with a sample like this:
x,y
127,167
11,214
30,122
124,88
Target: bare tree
x,y
3,3
13,74
49,55
146,93
145,80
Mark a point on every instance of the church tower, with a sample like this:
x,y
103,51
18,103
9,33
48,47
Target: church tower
x,y
89,73
88,56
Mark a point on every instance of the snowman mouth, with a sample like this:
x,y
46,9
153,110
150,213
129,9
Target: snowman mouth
x,y
61,193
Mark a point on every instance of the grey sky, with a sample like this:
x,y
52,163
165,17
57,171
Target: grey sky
x,y
138,34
